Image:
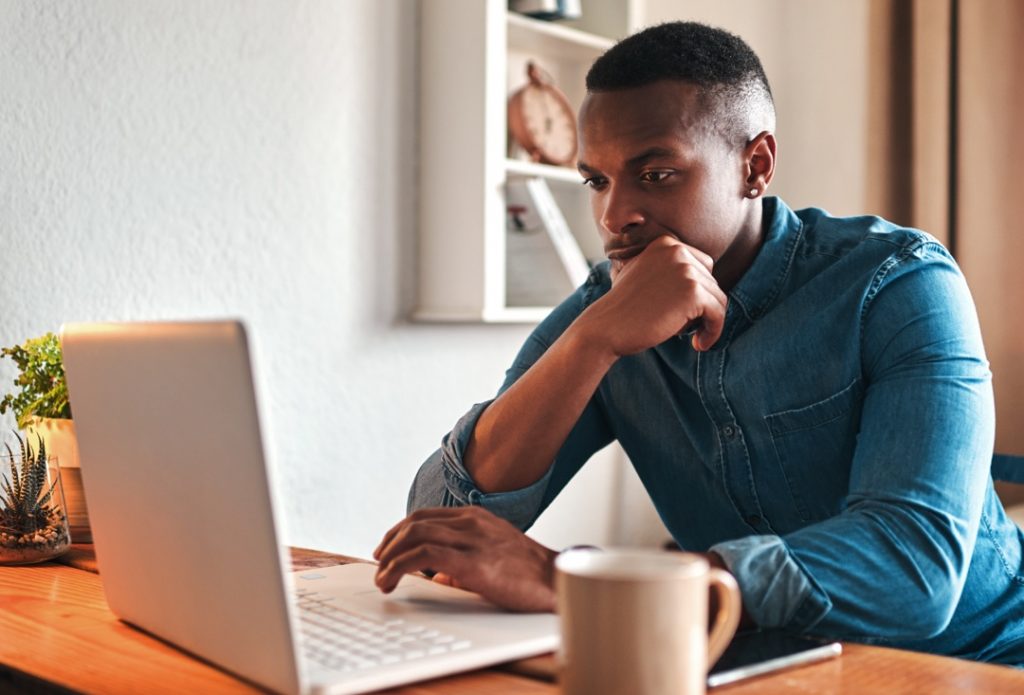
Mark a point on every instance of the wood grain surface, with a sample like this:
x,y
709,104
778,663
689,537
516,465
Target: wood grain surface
x,y
861,669
864,669
55,626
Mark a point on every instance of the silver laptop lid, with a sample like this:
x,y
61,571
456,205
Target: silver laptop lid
x,y
179,499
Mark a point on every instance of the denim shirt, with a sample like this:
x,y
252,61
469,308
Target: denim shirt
x,y
833,447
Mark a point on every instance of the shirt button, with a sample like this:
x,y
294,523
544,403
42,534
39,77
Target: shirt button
x,y
729,431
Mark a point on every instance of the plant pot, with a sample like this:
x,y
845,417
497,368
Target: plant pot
x,y
62,445
43,536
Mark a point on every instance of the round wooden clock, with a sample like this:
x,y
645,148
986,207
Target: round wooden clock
x,y
542,121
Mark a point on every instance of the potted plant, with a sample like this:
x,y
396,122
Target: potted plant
x,y
33,524
40,404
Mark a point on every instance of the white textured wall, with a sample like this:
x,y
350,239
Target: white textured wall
x,y
181,159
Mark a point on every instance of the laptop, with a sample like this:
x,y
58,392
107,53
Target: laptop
x,y
187,535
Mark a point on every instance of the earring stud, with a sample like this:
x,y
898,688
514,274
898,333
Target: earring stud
x,y
753,192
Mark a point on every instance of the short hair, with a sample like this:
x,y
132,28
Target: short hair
x,y
732,85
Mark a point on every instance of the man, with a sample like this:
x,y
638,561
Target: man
x,y
806,398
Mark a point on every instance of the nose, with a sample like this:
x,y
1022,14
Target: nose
x,y
618,212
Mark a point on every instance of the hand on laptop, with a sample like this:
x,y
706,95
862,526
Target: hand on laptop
x,y
474,550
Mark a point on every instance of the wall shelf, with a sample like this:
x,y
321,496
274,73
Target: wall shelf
x,y
520,167
472,57
564,43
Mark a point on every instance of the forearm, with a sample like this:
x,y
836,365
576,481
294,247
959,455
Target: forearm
x,y
855,575
664,289
518,436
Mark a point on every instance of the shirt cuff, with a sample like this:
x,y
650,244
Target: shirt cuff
x,y
519,507
776,590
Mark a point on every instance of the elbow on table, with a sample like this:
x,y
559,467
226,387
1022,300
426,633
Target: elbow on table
x,y
901,607
937,586
928,618
925,572
926,611
903,617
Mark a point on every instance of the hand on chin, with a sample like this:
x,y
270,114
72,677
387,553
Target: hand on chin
x,y
617,266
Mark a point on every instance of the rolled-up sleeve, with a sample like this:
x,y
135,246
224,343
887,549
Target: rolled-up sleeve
x,y
443,480
777,591
892,565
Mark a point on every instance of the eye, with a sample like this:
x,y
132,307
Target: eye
x,y
656,175
594,182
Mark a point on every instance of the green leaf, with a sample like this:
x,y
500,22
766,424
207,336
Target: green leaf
x,y
42,385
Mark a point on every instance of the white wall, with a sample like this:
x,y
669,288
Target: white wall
x,y
253,159
188,159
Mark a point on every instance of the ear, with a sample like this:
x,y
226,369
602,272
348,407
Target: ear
x,y
759,164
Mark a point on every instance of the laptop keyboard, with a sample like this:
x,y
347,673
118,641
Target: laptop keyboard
x,y
345,641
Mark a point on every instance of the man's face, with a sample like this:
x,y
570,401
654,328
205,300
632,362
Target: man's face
x,y
656,167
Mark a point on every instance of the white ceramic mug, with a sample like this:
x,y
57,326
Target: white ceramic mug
x,y
636,621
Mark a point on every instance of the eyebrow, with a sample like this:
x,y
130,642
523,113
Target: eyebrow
x,y
645,156
651,153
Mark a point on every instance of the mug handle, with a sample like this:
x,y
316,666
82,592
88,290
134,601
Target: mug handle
x,y
727,620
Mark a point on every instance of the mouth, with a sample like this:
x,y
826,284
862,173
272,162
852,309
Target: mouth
x,y
625,253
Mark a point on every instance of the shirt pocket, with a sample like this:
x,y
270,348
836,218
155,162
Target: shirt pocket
x,y
814,447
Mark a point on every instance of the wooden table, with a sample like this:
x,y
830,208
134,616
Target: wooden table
x,y
57,634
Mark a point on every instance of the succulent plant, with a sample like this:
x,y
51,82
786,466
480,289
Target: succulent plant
x,y
25,501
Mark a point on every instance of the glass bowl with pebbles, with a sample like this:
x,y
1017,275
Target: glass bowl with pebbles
x,y
33,516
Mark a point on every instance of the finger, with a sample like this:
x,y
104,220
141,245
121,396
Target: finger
x,y
615,269
691,327
442,578
418,515
712,325
695,272
434,532
696,283
702,258
446,579
707,282
386,540
667,240
441,558
428,533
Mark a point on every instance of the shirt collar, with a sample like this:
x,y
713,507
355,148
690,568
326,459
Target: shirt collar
x,y
760,285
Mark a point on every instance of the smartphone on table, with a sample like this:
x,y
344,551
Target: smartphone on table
x,y
758,652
